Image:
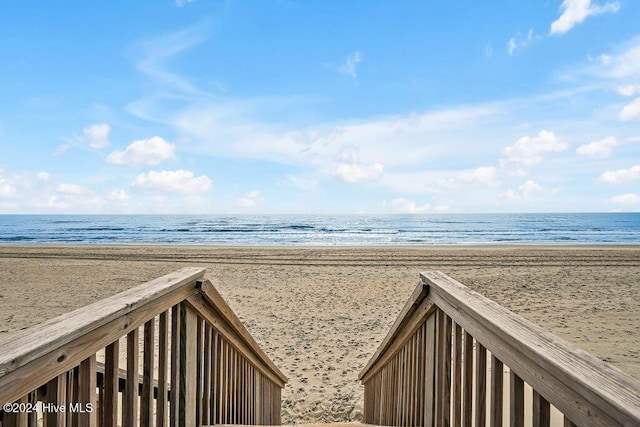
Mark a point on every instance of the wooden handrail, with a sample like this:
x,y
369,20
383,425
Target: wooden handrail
x,y
38,354
237,333
580,385
446,329
210,368
399,327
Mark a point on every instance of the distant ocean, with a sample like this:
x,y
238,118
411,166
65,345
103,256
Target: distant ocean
x,y
591,228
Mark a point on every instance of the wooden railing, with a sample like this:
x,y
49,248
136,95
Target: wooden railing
x,y
456,358
167,353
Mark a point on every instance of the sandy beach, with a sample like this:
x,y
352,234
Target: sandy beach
x,y
321,312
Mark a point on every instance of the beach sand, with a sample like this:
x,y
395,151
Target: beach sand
x,y
320,313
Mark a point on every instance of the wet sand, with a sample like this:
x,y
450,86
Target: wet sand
x,y
321,312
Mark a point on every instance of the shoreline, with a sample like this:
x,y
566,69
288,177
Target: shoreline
x,y
320,312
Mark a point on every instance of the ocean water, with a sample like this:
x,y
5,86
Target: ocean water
x,y
589,228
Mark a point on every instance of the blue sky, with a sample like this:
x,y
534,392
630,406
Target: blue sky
x,y
282,106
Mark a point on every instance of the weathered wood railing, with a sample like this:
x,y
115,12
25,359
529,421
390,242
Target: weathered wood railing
x,y
431,369
174,355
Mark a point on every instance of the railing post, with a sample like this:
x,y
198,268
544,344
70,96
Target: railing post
x,y
130,417
163,368
188,361
174,413
146,399
430,370
110,385
87,392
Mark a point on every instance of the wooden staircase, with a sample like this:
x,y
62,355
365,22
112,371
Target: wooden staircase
x,y
442,363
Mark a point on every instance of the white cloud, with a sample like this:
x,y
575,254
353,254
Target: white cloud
x,y
524,191
232,128
625,63
118,195
353,172
303,184
394,141
8,206
630,111
181,3
350,65
251,200
155,53
69,198
628,90
483,176
626,199
530,150
521,41
488,50
179,181
71,189
61,150
7,188
598,149
22,186
621,175
576,11
511,45
403,205
145,152
97,136
44,176
408,206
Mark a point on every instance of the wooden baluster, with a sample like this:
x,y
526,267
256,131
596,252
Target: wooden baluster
x,y
72,396
217,357
245,396
163,368
440,366
32,417
188,355
481,385
234,386
146,400
446,409
199,404
420,376
110,381
206,392
402,398
130,403
541,411
224,375
174,412
87,392
495,408
516,401
467,389
259,415
393,379
56,395
414,380
430,370
443,379
456,383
